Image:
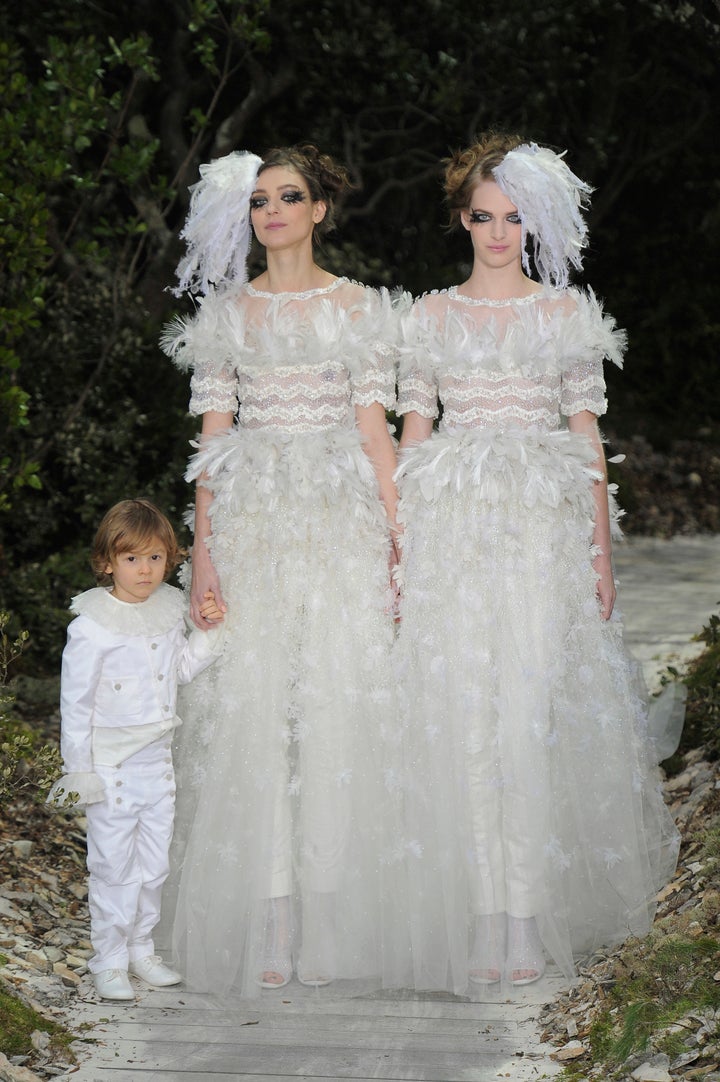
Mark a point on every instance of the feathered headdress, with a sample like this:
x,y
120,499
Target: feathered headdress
x,y
217,228
550,200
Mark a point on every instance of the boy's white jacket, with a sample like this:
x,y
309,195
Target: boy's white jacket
x,y
120,671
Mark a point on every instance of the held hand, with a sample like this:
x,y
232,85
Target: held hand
x,y
210,610
205,586
605,588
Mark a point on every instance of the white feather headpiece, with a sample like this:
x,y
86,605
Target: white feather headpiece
x,y
217,228
550,200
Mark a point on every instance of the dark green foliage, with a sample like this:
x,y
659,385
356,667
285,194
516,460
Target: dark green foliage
x,y
25,764
702,716
107,112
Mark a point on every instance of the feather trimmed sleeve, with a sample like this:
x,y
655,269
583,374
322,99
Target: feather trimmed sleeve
x,y
588,338
417,382
374,334
203,345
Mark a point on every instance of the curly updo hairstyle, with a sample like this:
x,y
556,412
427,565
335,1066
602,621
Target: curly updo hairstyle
x,y
465,169
326,179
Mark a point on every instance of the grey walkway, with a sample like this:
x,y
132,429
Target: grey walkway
x,y
299,1033
667,591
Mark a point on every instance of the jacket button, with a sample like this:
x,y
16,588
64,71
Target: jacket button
x,y
117,686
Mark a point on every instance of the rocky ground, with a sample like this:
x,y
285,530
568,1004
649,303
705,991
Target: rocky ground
x,y
689,906
44,923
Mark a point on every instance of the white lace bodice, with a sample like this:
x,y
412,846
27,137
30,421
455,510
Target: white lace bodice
x,y
523,362
294,362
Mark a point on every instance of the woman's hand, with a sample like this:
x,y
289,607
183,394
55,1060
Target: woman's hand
x,y
206,601
605,588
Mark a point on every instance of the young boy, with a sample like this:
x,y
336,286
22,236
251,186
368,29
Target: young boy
x,y
126,653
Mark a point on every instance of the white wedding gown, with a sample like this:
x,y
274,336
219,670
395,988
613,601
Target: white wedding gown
x,y
531,789
286,759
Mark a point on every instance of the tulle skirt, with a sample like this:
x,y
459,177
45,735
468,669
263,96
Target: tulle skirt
x,y
530,786
287,783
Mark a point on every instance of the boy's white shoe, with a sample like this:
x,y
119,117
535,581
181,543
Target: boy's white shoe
x,y
113,984
154,972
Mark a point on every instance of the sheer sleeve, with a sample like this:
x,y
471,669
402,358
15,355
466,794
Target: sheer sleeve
x,y
591,337
376,331
583,388
417,382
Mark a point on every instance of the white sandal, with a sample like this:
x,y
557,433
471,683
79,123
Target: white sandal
x,y
486,959
316,963
277,950
525,951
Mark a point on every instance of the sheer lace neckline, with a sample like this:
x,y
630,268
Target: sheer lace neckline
x,y
529,298
319,291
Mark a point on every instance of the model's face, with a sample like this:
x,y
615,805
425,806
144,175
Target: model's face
x,y
494,226
281,210
138,573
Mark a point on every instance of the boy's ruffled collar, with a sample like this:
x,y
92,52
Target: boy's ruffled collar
x,y
160,613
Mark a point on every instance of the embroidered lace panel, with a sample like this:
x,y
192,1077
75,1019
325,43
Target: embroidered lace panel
x,y
497,363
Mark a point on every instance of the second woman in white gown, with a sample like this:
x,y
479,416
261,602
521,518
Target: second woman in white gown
x,y
285,772
535,824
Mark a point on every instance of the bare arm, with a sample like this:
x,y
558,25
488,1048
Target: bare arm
x,y
586,422
379,448
204,576
416,428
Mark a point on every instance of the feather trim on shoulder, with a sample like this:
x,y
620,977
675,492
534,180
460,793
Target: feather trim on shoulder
x,y
546,337
209,338
592,331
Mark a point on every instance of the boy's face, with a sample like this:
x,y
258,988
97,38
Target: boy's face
x,y
138,573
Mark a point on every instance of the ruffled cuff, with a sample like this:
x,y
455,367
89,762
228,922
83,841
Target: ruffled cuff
x,y
207,644
86,784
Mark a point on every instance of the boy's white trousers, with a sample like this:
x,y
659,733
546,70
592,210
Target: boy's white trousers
x,y
128,840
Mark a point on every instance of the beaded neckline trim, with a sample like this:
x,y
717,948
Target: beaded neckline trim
x,y
530,298
304,293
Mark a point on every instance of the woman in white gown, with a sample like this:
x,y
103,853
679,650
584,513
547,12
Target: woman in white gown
x,y
534,815
285,775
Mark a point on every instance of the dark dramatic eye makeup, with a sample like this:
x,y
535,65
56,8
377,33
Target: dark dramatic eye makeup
x,y
292,196
478,216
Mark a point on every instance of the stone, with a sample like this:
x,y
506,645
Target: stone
x,y
22,849
7,909
40,1040
646,1073
39,960
684,1060
572,1050
69,979
10,1073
